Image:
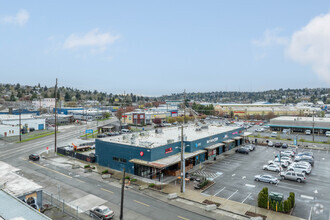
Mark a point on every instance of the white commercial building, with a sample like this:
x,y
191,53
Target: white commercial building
x,y
27,121
8,130
48,103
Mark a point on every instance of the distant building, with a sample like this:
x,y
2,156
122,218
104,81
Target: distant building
x,y
27,121
8,130
300,124
47,103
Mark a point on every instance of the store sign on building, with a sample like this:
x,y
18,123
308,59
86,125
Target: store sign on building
x,y
198,144
235,133
212,140
141,153
168,150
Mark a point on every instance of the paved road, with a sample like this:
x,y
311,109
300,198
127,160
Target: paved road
x,y
150,208
236,182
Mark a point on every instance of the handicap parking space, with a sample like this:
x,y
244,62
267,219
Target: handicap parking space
x,y
237,182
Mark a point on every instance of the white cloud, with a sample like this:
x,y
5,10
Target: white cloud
x,y
93,39
20,18
270,38
311,45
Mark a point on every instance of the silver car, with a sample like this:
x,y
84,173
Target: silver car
x,y
272,167
290,175
299,168
266,178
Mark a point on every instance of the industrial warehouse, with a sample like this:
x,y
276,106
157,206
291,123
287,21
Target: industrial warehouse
x,y
152,154
300,124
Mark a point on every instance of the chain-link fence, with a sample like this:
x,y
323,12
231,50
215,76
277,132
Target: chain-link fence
x,y
64,206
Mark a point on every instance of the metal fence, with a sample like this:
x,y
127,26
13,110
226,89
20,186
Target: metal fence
x,y
79,156
64,206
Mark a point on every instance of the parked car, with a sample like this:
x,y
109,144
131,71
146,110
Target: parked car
x,y
250,147
297,168
101,135
308,132
242,150
284,164
306,153
102,212
291,152
273,134
304,158
34,157
289,175
278,144
259,130
303,163
327,133
270,144
266,179
284,145
287,159
125,131
286,154
272,167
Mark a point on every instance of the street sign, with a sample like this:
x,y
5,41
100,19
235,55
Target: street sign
x,y
89,131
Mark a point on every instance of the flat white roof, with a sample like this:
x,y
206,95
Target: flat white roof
x,y
15,117
305,119
14,183
151,139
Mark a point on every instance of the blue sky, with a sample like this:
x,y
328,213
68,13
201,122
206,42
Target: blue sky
x,y
163,47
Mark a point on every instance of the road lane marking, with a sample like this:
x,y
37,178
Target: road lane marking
x,y
310,213
141,203
233,174
246,198
232,194
106,190
307,197
51,170
205,194
80,181
243,177
183,217
220,191
249,185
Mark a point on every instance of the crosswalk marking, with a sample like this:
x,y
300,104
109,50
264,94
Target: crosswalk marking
x,y
207,174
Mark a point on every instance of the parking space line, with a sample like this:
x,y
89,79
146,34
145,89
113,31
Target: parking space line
x,y
220,191
249,185
310,213
246,198
233,174
183,217
232,195
307,197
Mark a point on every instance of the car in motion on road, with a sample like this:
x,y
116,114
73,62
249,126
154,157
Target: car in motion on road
x,y
34,157
102,212
290,175
266,178
272,167
242,150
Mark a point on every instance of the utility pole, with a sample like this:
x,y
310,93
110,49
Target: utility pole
x,y
122,196
313,126
55,115
20,125
183,161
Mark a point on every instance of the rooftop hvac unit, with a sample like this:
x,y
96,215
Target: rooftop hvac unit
x,y
205,127
170,141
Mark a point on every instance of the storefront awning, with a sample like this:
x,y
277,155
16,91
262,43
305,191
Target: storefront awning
x,y
228,141
237,138
167,161
246,134
212,147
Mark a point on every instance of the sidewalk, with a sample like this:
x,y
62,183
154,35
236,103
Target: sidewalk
x,y
226,205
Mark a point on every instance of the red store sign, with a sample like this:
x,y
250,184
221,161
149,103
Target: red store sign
x,y
141,153
168,150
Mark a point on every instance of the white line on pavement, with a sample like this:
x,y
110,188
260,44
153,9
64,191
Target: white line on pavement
x,y
233,174
205,194
243,177
220,191
246,198
310,213
232,194
249,185
307,197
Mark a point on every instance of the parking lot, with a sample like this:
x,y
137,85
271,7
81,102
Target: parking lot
x,y
234,177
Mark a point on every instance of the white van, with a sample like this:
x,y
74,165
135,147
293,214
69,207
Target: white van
x,y
327,133
308,132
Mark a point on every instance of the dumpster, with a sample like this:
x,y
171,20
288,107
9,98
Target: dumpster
x,y
278,197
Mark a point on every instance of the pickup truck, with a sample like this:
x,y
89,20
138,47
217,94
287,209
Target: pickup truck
x,y
289,175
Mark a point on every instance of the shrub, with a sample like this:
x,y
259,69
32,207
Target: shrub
x,y
286,206
133,180
274,205
292,195
151,185
87,166
204,183
127,177
105,171
263,198
280,207
265,190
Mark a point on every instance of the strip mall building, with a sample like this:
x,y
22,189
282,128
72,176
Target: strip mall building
x,y
156,153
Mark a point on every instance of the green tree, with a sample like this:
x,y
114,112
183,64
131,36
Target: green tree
x,y
67,97
12,97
